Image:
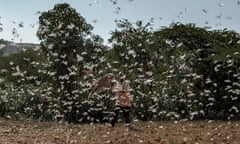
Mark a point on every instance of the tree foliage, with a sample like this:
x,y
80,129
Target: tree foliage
x,y
180,71
65,37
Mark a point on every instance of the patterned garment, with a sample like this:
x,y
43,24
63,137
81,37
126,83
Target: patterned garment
x,y
123,96
102,84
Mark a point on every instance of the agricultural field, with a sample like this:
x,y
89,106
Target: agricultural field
x,y
163,132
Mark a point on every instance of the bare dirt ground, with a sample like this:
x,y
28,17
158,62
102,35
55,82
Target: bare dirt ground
x,y
178,132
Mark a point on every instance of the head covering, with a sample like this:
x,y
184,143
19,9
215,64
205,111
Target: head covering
x,y
121,75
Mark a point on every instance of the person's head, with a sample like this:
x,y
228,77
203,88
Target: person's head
x,y
121,76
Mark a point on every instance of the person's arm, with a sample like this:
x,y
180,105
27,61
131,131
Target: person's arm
x,y
127,87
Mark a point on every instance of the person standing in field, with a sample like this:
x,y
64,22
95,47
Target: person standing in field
x,y
123,100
